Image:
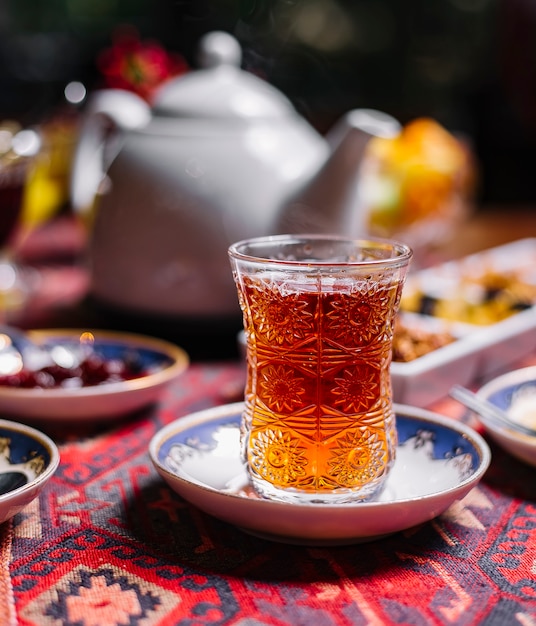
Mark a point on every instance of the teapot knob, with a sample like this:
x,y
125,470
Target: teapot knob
x,y
219,48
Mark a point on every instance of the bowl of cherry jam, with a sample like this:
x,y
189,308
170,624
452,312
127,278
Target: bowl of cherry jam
x,y
89,374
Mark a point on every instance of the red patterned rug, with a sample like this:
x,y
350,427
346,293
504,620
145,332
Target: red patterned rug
x,y
109,544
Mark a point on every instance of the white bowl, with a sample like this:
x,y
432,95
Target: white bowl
x,y
28,459
514,393
163,362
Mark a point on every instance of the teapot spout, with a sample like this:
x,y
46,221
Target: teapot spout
x,y
330,202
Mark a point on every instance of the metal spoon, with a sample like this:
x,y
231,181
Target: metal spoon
x,y
17,349
488,411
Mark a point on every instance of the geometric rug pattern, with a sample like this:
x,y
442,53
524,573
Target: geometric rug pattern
x,y
109,544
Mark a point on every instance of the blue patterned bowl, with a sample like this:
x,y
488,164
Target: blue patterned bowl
x,y
28,459
161,362
514,393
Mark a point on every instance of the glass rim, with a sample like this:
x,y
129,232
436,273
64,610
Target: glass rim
x,y
404,251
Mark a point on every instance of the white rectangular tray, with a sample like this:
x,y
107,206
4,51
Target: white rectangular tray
x,y
482,351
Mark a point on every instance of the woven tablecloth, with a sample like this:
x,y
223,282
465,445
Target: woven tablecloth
x,y
109,543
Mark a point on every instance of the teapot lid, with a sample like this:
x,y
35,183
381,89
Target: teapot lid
x,y
220,89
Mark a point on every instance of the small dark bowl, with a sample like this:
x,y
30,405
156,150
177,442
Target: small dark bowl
x,y
28,459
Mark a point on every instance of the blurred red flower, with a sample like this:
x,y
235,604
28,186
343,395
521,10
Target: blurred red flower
x,y
138,66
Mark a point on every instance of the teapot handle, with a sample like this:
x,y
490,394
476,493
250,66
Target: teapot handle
x,y
107,110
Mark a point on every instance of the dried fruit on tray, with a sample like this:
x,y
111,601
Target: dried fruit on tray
x,y
473,299
411,342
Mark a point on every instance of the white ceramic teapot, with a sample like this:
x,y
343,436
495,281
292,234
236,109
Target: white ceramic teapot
x,y
220,156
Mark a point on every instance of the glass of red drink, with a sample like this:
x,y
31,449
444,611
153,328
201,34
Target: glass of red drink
x,y
318,424
17,149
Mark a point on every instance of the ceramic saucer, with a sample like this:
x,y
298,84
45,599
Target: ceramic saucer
x,y
438,461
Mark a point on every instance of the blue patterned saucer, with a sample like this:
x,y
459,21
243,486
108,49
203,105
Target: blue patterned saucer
x,y
438,462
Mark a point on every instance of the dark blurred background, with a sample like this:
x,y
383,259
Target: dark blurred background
x,y
470,64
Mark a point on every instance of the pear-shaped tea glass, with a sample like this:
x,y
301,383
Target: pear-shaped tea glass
x,y
318,424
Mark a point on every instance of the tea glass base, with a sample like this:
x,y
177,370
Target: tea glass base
x,y
297,496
